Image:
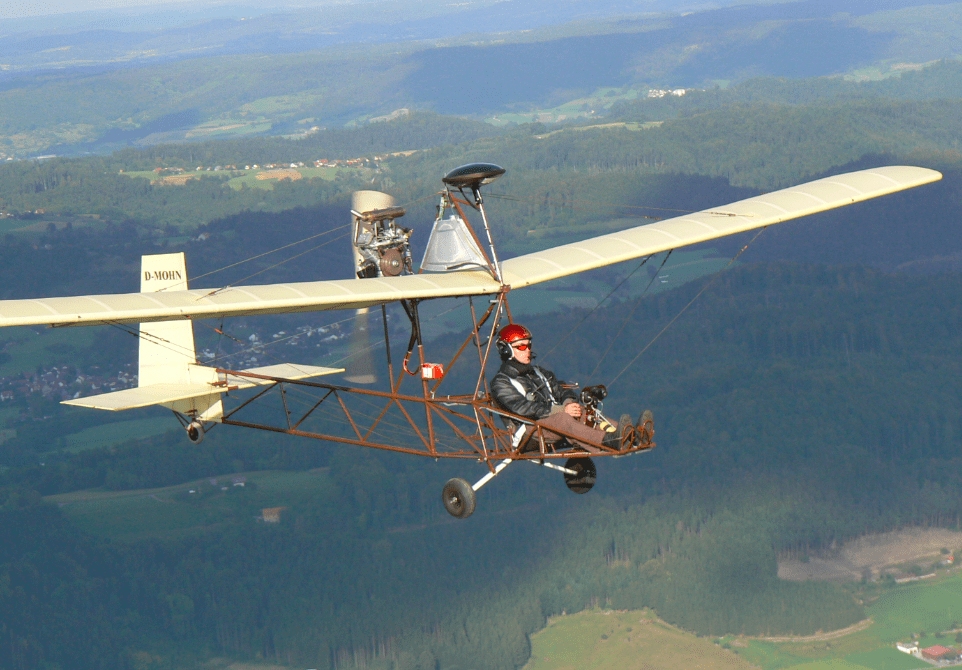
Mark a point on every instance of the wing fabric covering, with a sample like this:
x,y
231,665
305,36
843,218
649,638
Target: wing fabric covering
x,y
738,217
763,210
205,385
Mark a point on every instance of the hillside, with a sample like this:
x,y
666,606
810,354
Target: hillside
x,y
746,389
808,396
218,81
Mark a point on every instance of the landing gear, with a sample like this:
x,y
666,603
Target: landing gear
x,y
458,498
581,476
195,432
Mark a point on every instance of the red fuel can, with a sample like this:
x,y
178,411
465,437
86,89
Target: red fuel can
x,y
432,371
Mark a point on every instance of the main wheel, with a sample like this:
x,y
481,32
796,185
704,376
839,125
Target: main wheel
x,y
458,498
195,432
584,477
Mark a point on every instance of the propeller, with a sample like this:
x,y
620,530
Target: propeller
x,y
360,366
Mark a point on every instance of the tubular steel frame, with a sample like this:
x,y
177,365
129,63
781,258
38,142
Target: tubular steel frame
x,y
471,422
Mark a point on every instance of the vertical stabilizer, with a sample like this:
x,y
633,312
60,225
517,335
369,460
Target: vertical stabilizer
x,y
167,354
166,347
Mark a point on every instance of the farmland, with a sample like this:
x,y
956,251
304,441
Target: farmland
x,y
605,640
175,511
638,639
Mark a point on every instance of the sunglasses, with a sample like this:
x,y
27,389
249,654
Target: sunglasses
x,y
521,347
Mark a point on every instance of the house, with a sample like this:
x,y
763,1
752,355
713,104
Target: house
x,y
939,653
907,647
272,514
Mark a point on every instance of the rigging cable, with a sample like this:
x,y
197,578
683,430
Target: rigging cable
x,y
690,302
593,206
271,267
598,306
266,253
631,313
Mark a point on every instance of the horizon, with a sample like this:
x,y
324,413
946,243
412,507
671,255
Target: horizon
x,y
62,8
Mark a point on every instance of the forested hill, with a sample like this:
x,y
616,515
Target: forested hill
x,y
791,403
279,84
796,404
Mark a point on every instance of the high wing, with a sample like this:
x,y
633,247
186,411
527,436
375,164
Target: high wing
x,y
776,207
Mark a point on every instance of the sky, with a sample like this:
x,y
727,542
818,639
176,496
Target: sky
x,y
18,9
25,9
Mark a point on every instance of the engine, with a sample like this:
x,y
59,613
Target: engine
x,y
382,248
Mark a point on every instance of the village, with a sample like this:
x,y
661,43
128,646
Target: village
x,y
264,171
64,382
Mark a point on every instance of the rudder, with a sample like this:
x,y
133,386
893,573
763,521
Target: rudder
x,y
166,347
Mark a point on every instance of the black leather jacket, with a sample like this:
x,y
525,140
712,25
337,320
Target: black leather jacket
x,y
537,400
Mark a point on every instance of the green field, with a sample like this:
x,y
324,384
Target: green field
x,y
30,347
118,432
899,612
605,640
251,181
596,103
174,511
236,179
8,412
10,224
637,639
880,659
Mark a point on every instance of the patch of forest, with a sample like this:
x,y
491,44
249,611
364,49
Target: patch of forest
x,y
796,406
533,206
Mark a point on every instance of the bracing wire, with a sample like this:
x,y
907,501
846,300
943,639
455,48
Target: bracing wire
x,y
682,311
631,313
598,306
267,253
270,267
592,206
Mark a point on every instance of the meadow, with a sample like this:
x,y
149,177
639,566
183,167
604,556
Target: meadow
x,y
238,178
192,507
929,610
30,347
606,640
638,639
119,432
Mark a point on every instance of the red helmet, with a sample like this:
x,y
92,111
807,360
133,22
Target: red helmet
x,y
514,332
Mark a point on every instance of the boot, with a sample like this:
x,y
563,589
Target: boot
x,y
645,430
622,438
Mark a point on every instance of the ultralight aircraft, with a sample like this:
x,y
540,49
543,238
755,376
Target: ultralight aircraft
x,y
456,263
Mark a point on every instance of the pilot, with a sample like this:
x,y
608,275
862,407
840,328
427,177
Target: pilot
x,y
535,393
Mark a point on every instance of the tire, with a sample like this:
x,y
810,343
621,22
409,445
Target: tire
x,y
458,498
195,432
585,476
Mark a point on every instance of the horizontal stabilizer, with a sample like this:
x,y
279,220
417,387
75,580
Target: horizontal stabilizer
x,y
144,396
162,394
